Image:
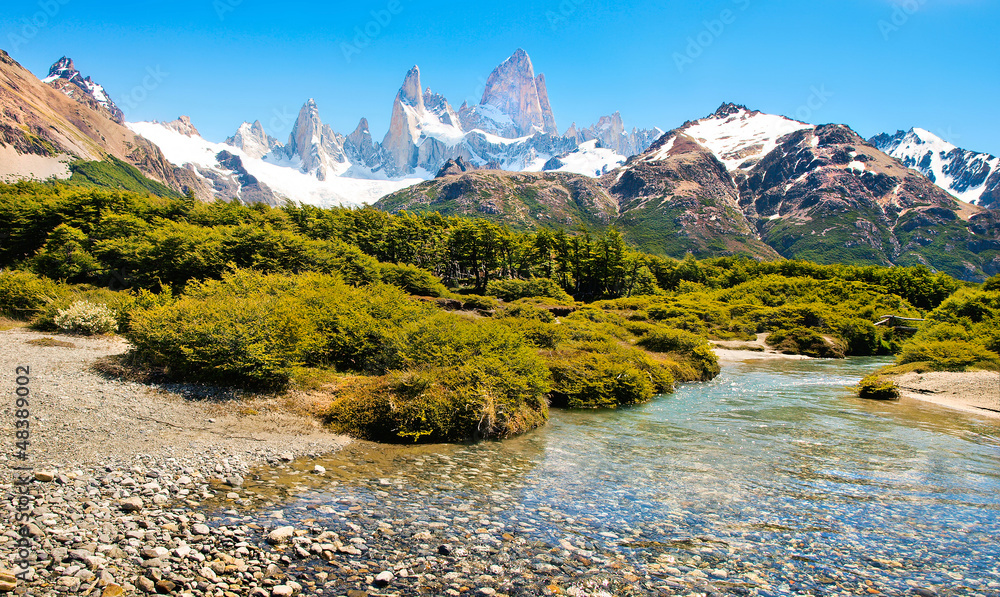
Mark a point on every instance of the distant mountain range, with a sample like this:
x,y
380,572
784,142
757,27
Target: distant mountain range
x,y
737,181
740,181
971,176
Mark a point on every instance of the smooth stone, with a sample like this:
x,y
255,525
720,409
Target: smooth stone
x,y
384,578
145,584
132,504
280,535
201,529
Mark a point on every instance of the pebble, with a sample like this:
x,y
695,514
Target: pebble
x,y
384,579
132,504
280,535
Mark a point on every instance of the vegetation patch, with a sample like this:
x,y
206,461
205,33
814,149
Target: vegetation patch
x,y
51,343
876,387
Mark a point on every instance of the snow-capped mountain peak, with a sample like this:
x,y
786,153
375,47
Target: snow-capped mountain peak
x,y
740,137
64,76
512,129
233,174
971,176
515,102
253,140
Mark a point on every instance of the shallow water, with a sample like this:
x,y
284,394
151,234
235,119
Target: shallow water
x,y
773,478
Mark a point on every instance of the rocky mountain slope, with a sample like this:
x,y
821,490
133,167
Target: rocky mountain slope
x,y
971,176
740,181
524,200
44,128
64,77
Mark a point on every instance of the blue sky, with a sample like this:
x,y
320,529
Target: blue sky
x,y
873,64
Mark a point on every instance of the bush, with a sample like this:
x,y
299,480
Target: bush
x,y
801,340
605,375
592,380
413,280
875,387
948,355
667,340
860,336
511,290
23,294
480,303
686,347
86,318
247,329
526,311
993,284
463,380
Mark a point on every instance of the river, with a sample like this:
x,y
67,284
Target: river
x,y
770,480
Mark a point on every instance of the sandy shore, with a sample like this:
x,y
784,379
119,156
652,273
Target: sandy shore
x,y
974,392
737,351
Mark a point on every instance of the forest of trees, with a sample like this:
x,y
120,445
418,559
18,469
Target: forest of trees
x,y
440,328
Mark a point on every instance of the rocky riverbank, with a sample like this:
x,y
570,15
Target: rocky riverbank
x,y
122,471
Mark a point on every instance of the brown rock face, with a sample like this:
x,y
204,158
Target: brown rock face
x,y
360,147
39,120
678,198
543,98
399,143
183,126
64,77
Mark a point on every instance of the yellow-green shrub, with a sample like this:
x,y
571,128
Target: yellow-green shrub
x,y
948,355
227,332
464,380
511,290
412,279
23,294
875,387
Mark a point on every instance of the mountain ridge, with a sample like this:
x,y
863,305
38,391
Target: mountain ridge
x,y
740,181
971,176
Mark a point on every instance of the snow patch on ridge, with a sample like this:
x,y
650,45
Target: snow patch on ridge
x,y
743,135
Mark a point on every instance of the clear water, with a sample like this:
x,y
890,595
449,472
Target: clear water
x,y
773,474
